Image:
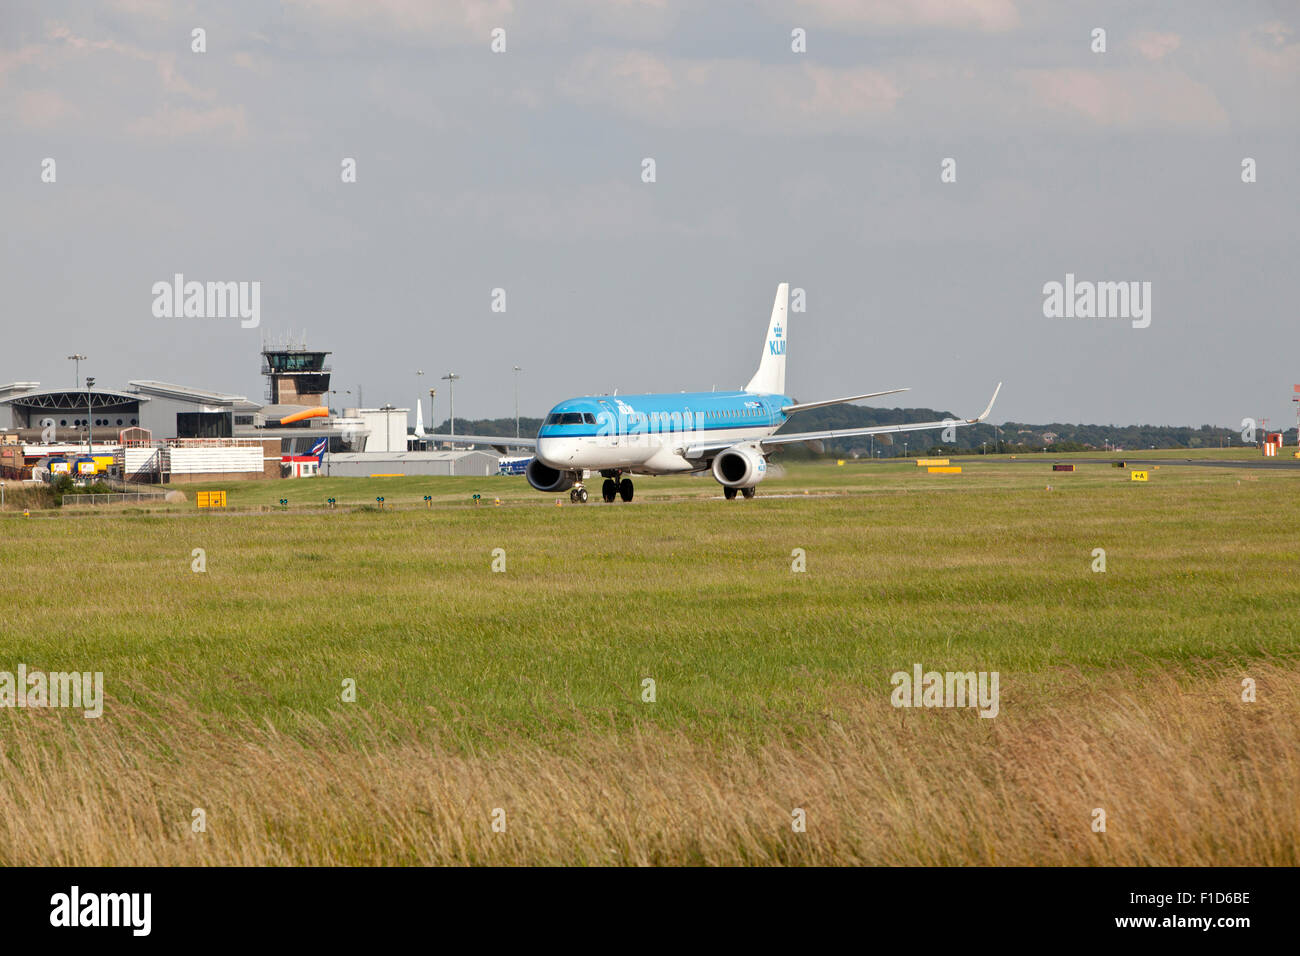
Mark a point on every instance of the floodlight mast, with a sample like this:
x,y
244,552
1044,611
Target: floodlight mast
x,y
451,378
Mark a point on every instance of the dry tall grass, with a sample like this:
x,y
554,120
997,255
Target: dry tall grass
x,y
1186,772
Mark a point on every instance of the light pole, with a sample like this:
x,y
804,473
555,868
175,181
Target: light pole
x,y
451,377
433,421
361,402
77,357
90,411
335,391
517,371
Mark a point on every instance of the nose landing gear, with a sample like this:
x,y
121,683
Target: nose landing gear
x,y
578,495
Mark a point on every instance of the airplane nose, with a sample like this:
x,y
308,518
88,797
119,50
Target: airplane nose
x,y
550,451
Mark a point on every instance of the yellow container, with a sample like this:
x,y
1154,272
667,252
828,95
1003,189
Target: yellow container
x,y
927,462
944,469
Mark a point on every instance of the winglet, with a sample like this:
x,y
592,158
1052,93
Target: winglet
x,y
987,411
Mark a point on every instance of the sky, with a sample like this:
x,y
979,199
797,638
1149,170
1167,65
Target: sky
x,y
524,170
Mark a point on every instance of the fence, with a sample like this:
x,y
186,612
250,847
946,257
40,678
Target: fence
x,y
115,498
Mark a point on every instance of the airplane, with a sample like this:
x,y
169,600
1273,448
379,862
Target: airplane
x,y
730,434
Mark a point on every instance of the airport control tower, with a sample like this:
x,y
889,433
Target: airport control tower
x,y
295,375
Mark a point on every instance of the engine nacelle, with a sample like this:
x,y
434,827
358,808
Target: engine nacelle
x,y
740,467
548,479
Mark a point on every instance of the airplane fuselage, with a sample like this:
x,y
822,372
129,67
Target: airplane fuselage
x,y
648,434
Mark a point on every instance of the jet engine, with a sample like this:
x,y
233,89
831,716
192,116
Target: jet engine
x,y
548,479
741,466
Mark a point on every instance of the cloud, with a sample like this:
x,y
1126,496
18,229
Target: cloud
x,y
452,21
1126,99
733,93
1155,46
988,16
38,109
602,211
175,122
11,60
164,63
1271,48
154,9
469,22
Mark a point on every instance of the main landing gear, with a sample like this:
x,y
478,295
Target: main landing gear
x,y
730,493
613,488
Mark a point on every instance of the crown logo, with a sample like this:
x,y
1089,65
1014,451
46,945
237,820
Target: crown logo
x,y
776,331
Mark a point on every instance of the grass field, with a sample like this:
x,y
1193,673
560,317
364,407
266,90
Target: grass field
x,y
522,690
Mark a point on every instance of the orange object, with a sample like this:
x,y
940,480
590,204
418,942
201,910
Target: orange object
x,y
320,411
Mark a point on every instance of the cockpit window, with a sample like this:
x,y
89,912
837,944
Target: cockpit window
x,y
588,418
567,418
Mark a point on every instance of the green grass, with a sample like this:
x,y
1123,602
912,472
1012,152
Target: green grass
x,y
988,570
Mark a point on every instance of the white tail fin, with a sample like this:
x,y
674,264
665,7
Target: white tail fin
x,y
419,418
770,377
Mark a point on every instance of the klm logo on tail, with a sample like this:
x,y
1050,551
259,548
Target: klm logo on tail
x,y
776,346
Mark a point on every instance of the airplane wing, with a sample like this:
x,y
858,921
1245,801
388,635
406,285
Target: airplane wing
x,y
703,451
499,442
802,406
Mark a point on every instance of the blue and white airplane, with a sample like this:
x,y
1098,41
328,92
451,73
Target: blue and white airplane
x,y
728,433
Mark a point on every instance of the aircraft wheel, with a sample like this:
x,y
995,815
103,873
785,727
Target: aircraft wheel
x,y
729,493
625,489
582,496
608,490
748,492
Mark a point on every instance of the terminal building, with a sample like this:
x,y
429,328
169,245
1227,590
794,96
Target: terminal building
x,y
162,432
